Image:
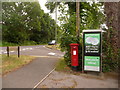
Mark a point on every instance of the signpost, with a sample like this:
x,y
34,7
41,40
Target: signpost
x,y
92,50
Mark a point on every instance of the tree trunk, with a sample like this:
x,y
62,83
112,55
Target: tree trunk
x,y
77,19
119,25
112,10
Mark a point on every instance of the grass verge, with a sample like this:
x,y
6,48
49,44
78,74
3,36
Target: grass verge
x,y
61,65
13,62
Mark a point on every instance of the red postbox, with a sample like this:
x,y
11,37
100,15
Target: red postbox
x,y
74,54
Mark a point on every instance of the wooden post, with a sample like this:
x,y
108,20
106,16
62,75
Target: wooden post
x,y
77,19
18,51
78,24
56,21
8,51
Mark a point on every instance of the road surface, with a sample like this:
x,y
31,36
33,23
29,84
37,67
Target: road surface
x,y
28,76
38,50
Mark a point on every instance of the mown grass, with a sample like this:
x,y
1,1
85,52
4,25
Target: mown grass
x,y
13,62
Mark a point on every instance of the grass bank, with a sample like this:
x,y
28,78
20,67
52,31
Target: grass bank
x,y
13,62
61,66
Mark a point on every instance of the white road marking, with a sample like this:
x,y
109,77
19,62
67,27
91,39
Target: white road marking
x,y
51,53
30,48
42,79
1,50
12,51
23,49
4,52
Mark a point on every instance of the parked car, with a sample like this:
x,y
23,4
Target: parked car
x,y
53,42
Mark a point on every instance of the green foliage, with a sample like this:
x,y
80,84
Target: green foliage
x,y
66,40
110,55
91,18
8,44
91,14
26,22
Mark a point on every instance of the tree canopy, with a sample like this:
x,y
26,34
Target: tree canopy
x,y
26,21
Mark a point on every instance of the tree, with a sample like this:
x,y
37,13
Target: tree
x,y
90,13
111,40
91,17
26,21
9,24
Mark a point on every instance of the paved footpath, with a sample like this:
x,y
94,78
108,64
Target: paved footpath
x,y
67,80
29,75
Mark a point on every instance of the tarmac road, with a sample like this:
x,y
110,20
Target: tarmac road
x,y
28,76
38,50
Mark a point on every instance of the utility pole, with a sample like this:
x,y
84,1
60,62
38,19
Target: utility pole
x,y
56,21
78,27
77,19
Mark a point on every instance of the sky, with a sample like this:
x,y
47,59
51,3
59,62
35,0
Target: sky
x,y
42,4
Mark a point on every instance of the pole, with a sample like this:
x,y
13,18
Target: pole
x,y
78,26
56,21
77,19
8,51
18,51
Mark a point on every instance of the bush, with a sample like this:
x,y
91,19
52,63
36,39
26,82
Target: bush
x,y
110,53
28,43
66,40
8,44
109,57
